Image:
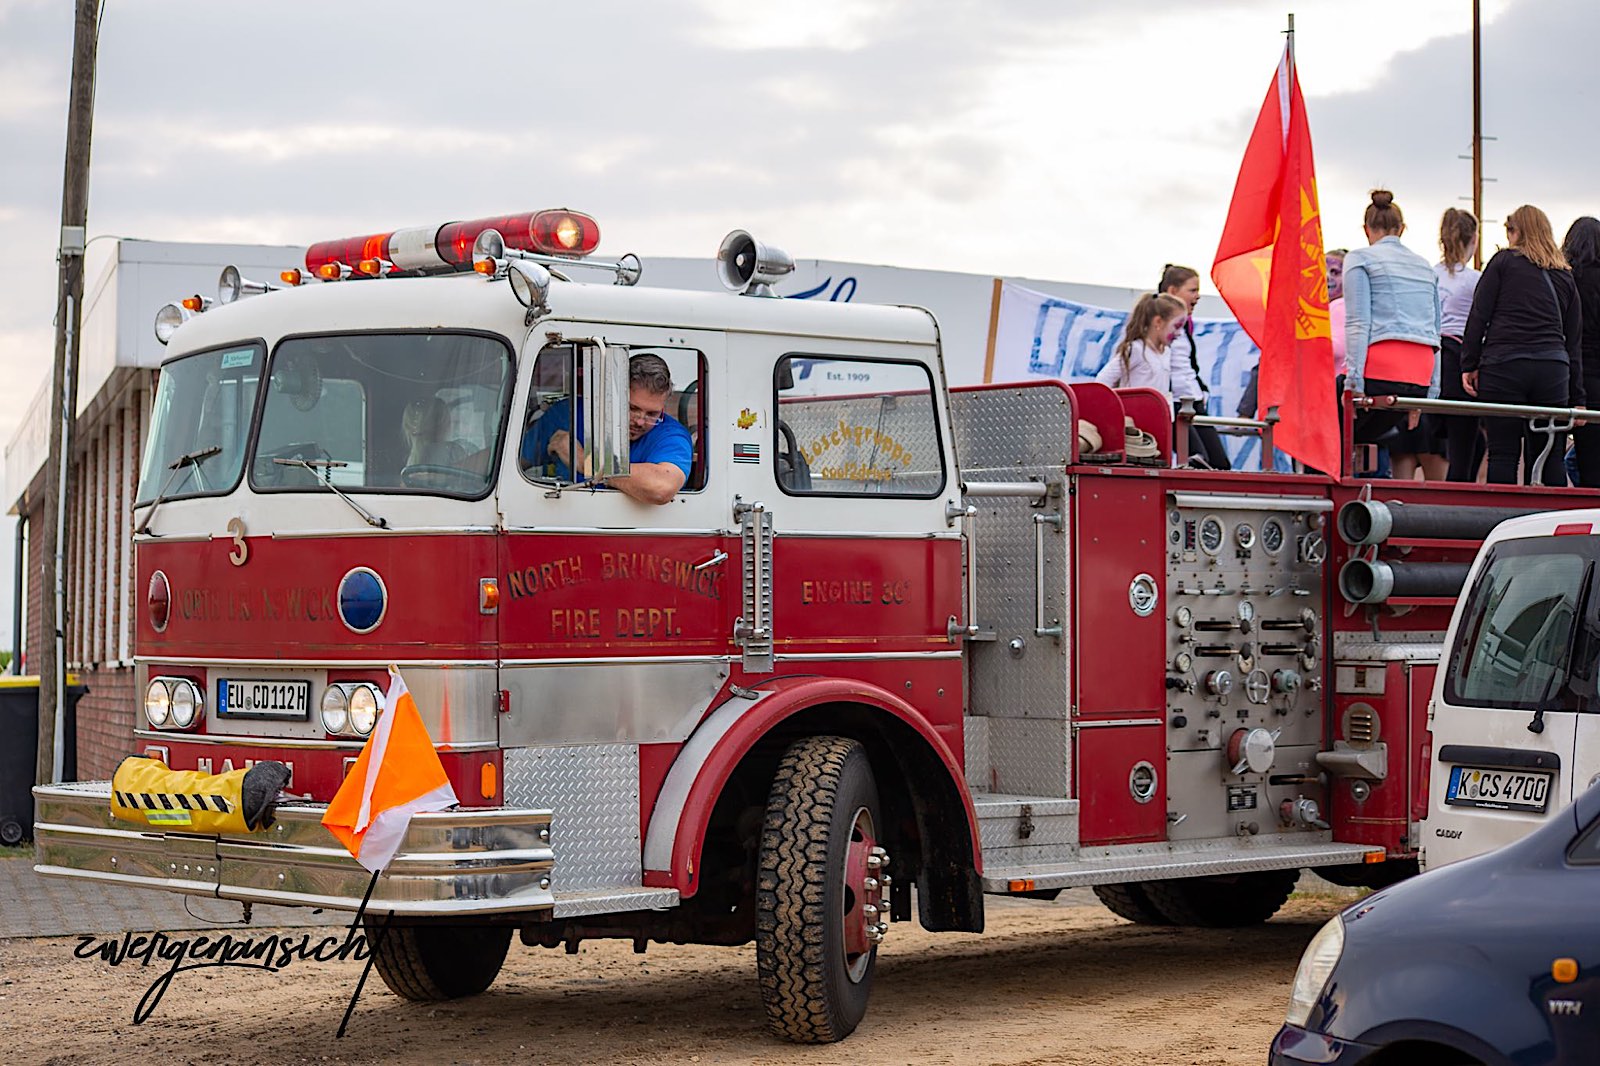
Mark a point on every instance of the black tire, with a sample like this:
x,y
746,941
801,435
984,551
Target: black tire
x,y
1223,902
814,989
10,832
433,962
1132,902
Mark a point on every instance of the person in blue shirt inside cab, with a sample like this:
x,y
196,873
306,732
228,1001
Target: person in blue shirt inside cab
x,y
660,455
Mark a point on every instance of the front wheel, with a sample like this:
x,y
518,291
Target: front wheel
x,y
820,891
433,962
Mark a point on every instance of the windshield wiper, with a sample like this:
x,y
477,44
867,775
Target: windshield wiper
x,y
327,466
186,461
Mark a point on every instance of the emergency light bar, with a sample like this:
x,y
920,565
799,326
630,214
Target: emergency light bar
x,y
568,235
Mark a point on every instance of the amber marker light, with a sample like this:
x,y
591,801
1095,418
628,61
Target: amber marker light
x,y
292,277
371,267
1565,971
488,781
488,595
1375,856
484,266
330,271
1021,884
193,303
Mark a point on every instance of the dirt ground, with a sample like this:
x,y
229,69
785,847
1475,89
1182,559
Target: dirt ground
x,y
1047,984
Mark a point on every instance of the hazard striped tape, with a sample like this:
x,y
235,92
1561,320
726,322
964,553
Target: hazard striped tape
x,y
173,801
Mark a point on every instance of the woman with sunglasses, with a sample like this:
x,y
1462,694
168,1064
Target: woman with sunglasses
x,y
1522,345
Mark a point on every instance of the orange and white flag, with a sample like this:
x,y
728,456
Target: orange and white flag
x,y
397,774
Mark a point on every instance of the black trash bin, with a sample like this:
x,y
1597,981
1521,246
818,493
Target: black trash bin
x,y
19,742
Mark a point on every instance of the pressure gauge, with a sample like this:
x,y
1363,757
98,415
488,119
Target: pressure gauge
x,y
1244,534
1212,534
1183,616
1272,535
1182,662
1247,611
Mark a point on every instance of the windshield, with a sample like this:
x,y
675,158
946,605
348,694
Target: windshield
x,y
1530,636
417,412
203,402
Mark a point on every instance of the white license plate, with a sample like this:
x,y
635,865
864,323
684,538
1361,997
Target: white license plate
x,y
248,698
1505,790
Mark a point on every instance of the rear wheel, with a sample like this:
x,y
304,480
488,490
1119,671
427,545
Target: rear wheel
x,y
1223,902
1132,902
820,891
432,962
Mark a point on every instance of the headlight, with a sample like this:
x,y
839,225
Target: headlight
x,y
158,703
335,710
363,710
1316,965
185,704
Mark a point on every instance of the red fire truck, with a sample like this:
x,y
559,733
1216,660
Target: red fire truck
x,y
893,646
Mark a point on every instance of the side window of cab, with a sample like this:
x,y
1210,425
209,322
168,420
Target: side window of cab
x,y
548,447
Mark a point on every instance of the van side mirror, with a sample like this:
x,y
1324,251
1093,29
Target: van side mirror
x,y
605,409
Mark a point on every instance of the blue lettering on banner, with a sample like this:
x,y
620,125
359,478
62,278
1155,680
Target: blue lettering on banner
x,y
841,292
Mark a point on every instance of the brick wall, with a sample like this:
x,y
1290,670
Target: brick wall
x,y
100,594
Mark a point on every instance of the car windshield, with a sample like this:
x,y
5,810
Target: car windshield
x,y
199,424
401,412
1530,635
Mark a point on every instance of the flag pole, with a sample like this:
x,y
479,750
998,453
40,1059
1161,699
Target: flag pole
x,y
1290,34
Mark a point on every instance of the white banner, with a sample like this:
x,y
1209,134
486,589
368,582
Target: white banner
x,y
1039,335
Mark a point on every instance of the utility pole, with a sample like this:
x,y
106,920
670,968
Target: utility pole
x,y
1477,133
64,394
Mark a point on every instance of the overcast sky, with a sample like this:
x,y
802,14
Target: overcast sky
x,y
1078,140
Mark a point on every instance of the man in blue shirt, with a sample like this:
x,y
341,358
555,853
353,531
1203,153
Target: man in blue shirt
x,y
659,457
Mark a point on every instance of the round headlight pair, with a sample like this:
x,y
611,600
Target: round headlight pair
x,y
350,709
173,703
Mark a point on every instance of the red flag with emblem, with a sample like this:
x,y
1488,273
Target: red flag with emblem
x,y
1270,270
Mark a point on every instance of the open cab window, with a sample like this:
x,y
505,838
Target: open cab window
x,y
200,423
1530,635
557,390
375,412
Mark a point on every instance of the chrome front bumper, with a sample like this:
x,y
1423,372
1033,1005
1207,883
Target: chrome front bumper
x,y
471,861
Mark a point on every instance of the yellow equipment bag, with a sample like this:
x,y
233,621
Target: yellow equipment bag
x,y
147,792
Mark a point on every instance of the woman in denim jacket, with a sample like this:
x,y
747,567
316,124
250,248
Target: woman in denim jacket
x,y
1391,321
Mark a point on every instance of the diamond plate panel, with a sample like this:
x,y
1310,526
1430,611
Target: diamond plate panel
x,y
1006,434
1127,864
1049,822
975,751
1031,756
594,791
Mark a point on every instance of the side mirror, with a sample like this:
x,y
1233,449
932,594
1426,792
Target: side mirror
x,y
605,409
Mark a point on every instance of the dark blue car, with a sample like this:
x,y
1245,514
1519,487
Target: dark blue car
x,y
1494,960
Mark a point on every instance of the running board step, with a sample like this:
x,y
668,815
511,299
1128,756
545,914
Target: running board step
x,y
1148,862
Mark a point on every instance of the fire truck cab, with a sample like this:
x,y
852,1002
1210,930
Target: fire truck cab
x,y
889,634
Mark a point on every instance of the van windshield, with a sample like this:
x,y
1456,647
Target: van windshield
x,y
1530,637
370,412
199,423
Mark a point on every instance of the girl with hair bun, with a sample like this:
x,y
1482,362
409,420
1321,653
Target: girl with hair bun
x,y
1522,342
1391,321
1458,239
1582,251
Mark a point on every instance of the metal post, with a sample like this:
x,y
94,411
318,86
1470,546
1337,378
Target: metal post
x,y
20,548
1477,133
64,394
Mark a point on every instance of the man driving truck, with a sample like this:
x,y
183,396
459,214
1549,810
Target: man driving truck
x,y
661,452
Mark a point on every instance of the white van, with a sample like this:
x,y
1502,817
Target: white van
x,y
1515,715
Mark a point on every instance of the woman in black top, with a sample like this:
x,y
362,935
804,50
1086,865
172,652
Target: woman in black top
x,y
1522,344
1582,249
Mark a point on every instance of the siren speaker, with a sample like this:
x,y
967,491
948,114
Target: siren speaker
x,y
747,266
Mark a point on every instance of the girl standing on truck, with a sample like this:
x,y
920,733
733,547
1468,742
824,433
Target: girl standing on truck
x,y
1391,321
1187,384
1141,360
1458,239
1522,344
1582,249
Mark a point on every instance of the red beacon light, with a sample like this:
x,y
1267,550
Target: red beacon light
x,y
448,248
